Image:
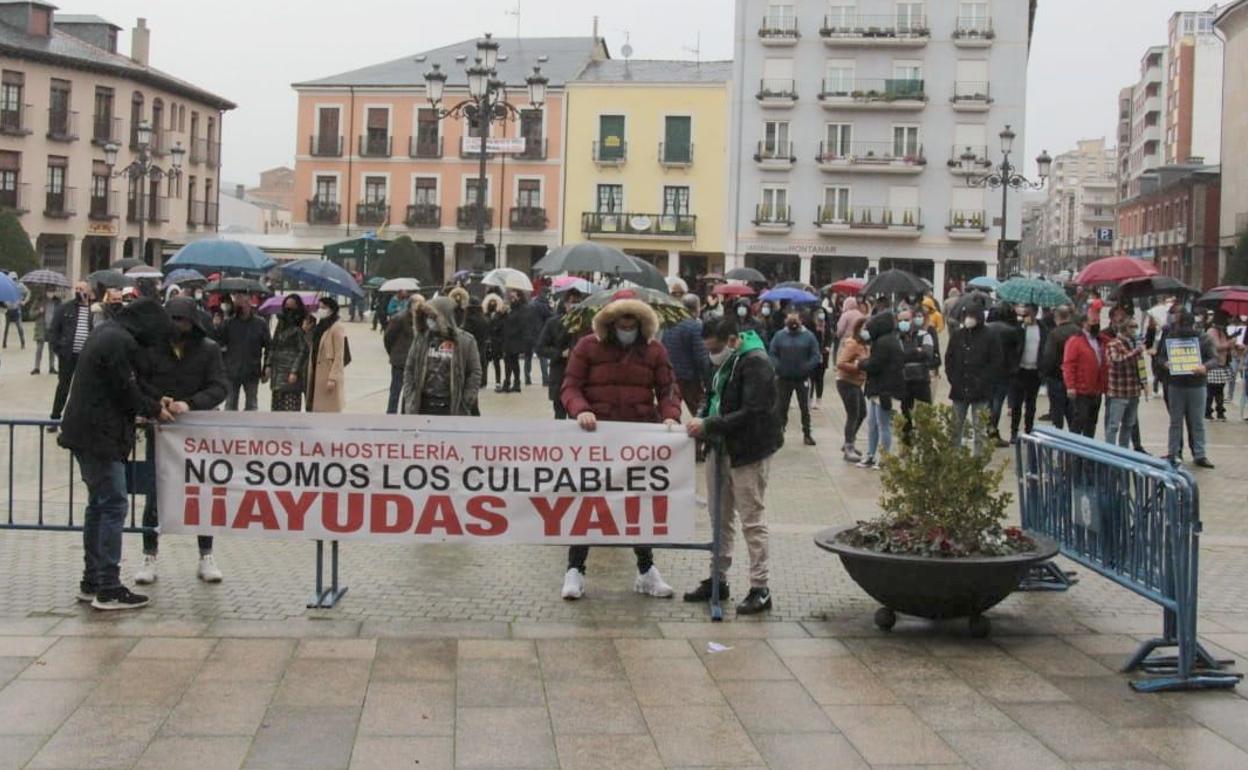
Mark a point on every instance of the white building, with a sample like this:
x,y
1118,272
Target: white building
x,y
849,123
1147,108
1232,25
1077,221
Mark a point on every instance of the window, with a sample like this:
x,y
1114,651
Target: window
x,y
973,14
374,189
136,117
427,138
775,205
611,137
908,70
841,15
835,208
158,128
910,17
967,208
776,139
781,17
777,76
470,191
99,189
838,77
677,139
610,198
531,130
326,126
12,85
529,193
426,192
58,108
838,138
972,79
10,171
903,203
972,135
675,201
103,129
377,131
326,190
905,141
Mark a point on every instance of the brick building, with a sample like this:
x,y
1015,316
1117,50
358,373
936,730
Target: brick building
x,y
1174,222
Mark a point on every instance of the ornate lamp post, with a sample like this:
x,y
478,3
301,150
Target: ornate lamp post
x,y
142,170
1006,176
486,103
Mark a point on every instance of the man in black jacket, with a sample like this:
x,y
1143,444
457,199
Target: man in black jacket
x,y
1004,324
740,423
973,356
98,428
186,368
1061,408
519,336
1025,383
244,337
885,386
66,336
555,344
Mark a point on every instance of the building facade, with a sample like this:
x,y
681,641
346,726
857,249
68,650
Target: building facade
x,y
1193,89
849,122
66,94
1174,222
1232,25
1144,151
1077,220
373,155
647,161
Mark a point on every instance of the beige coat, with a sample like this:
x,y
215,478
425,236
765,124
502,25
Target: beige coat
x,y
327,368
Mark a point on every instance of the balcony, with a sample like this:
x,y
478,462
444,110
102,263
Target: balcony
x,y
778,31
195,213
60,203
970,97
157,209
896,94
103,207
213,157
324,212
869,222
318,147
372,213
967,224
610,155
62,125
17,199
376,146
105,129
424,146
973,32
210,214
676,155
423,215
853,31
466,217
527,218
775,156
872,158
162,142
776,93
15,121
772,219
534,149
620,225
982,161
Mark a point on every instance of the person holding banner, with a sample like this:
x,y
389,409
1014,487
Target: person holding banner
x,y
327,359
1186,355
443,370
620,372
742,427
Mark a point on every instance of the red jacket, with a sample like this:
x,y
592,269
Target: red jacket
x,y
1084,372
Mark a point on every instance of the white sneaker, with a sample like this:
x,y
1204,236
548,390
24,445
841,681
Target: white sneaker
x,y
147,573
651,584
866,462
573,584
208,570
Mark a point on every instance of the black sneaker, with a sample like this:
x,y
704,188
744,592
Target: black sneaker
x,y
86,594
703,592
756,601
1203,462
808,440
120,598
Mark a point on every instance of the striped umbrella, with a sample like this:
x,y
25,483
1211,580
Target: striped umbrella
x,y
45,278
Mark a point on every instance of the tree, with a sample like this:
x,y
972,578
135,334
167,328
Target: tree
x,y
17,253
405,259
1237,264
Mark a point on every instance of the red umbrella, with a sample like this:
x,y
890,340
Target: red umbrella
x,y
1230,299
847,286
1114,270
733,290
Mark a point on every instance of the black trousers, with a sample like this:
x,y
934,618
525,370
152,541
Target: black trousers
x,y
916,390
785,388
1024,387
1061,408
855,408
1087,410
511,371
1215,400
64,375
816,381
577,555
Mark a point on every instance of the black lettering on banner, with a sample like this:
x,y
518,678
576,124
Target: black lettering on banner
x,y
255,473
660,478
359,476
469,480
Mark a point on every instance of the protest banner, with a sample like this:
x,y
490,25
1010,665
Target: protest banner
x,y
403,479
1184,355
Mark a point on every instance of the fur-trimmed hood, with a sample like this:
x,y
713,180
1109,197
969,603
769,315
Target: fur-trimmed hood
x,y
460,296
645,315
437,313
494,303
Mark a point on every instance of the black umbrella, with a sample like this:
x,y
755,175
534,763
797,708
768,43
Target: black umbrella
x,y
1152,286
747,274
109,279
232,285
894,282
644,274
974,301
580,318
585,257
127,263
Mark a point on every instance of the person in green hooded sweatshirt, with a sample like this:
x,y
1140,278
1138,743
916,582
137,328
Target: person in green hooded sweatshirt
x,y
739,422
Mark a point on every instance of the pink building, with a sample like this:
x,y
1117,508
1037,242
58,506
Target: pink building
x,y
373,155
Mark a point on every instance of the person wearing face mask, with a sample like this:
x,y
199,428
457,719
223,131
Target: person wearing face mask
x,y
1061,408
1085,369
397,341
917,351
620,372
885,386
1025,384
286,357
973,354
244,336
849,316
795,354
746,321
739,423
1123,386
109,306
328,356
1187,390
850,379
1004,323
187,369
1220,374
443,370
518,338
66,336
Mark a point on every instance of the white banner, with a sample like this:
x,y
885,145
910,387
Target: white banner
x,y
514,145
402,479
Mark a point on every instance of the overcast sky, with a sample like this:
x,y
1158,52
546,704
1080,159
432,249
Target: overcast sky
x,y
250,51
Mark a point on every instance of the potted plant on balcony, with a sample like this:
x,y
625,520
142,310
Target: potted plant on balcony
x,y
941,549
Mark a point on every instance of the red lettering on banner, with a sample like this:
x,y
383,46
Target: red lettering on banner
x,y
481,508
331,513
632,516
594,513
296,509
190,513
552,515
438,513
218,507
256,508
658,505
380,512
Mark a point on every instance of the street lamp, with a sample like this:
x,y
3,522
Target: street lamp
x,y
1006,176
486,103
142,170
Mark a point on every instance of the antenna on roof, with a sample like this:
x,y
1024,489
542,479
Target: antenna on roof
x,y
516,12
626,50
696,50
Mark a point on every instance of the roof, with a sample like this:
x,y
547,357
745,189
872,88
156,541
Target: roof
x,y
1225,13
65,50
656,71
567,56
82,18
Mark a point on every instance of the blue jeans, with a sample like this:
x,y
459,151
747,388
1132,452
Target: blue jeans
x,y
979,411
1121,415
1187,404
879,428
103,522
396,389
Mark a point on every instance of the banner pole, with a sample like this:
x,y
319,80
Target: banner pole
x,y
715,501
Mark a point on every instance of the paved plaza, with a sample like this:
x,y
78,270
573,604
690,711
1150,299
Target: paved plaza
x,y
465,656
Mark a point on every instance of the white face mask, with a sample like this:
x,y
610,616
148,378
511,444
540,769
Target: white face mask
x,y
719,358
741,311
865,335
626,338
227,308
970,322
321,313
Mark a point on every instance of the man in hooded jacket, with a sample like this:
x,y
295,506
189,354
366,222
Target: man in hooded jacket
x,y
972,359
98,427
443,371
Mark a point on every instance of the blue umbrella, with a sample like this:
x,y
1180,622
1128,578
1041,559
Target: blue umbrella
x,y
184,275
986,282
788,294
323,275
8,290
221,255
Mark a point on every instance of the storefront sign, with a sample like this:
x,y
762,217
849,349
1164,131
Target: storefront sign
x,y
108,228
789,247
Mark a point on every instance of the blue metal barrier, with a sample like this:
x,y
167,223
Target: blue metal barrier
x,y
1135,520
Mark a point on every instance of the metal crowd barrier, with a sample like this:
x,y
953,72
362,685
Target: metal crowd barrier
x,y
1135,520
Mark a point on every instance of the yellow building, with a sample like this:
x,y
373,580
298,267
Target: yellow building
x,y
647,161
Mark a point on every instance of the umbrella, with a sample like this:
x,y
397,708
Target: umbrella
x,y
9,292
564,280
273,305
1152,286
585,257
221,254
508,278
644,274
400,284
788,294
986,282
580,318
45,278
734,290
579,285
109,279
712,277
894,282
375,283
125,264
462,275
795,285
1230,299
747,274
1114,270
236,285
323,275
144,271
970,302
184,275
1032,291
849,286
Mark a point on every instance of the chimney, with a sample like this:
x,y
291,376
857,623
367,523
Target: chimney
x,y
595,28
140,43
240,191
